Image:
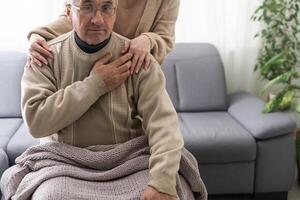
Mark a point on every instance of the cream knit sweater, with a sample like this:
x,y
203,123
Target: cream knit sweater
x,y
67,103
155,19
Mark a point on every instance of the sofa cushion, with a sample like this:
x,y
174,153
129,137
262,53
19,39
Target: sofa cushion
x,y
11,70
215,137
171,81
19,143
201,85
195,78
8,127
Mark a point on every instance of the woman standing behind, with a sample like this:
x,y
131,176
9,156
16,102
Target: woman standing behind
x,y
149,24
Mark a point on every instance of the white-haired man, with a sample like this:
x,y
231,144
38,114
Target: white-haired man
x,y
86,96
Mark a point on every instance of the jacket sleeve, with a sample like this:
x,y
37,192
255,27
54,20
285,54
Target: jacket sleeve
x,y
162,35
161,126
47,109
56,28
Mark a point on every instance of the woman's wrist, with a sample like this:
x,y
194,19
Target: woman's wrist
x,y
149,38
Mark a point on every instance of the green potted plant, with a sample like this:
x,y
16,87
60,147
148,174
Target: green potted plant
x,y
278,61
279,57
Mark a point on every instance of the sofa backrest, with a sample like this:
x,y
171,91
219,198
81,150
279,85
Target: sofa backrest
x,y
11,70
195,78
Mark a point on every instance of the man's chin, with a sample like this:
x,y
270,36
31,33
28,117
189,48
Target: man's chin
x,y
96,40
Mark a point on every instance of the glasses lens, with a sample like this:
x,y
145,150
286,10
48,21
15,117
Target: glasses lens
x,y
87,10
90,10
107,11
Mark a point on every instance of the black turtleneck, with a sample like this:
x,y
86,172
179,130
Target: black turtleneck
x,y
90,48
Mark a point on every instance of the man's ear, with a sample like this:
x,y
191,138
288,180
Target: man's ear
x,y
68,12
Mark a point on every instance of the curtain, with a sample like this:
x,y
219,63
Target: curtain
x,y
18,17
224,23
227,25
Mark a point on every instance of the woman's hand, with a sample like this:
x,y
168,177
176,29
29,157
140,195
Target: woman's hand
x,y
39,51
140,48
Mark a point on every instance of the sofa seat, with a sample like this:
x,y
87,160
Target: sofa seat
x,y
8,127
19,143
216,137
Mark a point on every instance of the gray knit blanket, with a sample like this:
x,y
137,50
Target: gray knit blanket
x,y
108,172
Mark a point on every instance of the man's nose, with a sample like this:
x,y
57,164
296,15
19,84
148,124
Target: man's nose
x,y
98,19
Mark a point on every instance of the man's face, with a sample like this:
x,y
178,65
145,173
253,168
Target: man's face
x,y
91,26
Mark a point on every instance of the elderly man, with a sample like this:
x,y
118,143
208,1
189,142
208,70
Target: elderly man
x,y
86,96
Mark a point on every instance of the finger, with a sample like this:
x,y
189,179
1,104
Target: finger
x,y
31,62
151,63
134,62
39,48
38,57
147,62
139,63
124,76
28,61
126,47
124,68
45,45
105,59
36,61
123,59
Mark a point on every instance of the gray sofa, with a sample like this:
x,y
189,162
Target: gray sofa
x,y
242,153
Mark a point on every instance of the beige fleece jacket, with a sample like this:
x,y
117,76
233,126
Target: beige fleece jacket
x,y
156,20
66,102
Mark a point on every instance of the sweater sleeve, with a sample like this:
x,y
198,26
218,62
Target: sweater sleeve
x,y
56,28
162,34
47,109
161,126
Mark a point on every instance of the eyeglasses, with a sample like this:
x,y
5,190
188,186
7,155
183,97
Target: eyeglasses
x,y
90,10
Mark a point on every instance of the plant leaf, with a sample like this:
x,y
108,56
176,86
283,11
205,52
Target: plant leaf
x,y
298,108
283,78
274,103
287,100
274,60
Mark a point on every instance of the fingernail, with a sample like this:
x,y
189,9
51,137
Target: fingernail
x,y
136,71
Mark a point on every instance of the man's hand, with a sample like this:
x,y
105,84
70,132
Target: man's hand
x,y
152,194
140,48
39,51
113,73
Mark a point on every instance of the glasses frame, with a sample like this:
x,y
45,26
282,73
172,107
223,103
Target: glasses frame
x,y
78,8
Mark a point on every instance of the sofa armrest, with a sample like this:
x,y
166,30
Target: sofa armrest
x,y
247,110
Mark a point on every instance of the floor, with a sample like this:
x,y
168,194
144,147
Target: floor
x,y
294,193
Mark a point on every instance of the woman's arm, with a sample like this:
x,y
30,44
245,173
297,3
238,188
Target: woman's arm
x,y
162,34
39,50
54,29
